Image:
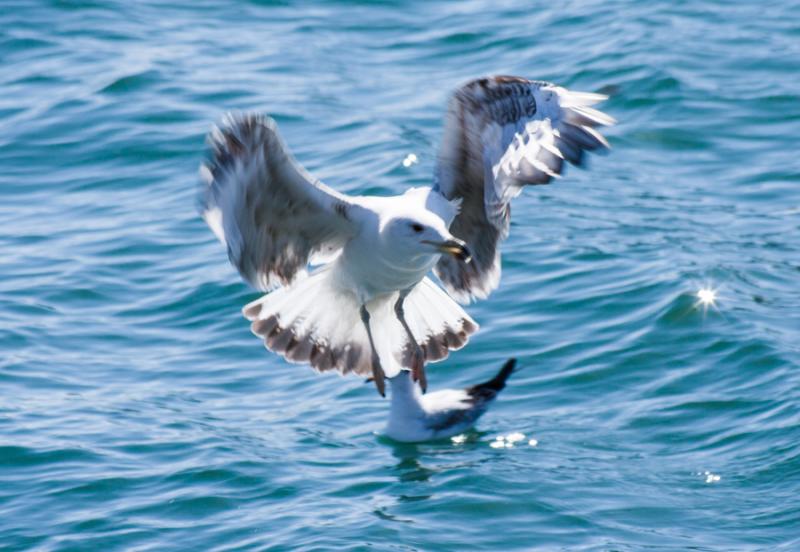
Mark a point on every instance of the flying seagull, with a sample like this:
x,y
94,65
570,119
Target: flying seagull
x,y
368,306
414,417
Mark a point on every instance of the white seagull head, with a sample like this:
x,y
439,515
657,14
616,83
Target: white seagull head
x,y
421,234
416,227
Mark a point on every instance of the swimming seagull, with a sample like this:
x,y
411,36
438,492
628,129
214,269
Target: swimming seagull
x,y
369,307
414,417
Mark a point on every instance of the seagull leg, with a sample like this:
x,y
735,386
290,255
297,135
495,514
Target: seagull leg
x,y
377,369
417,355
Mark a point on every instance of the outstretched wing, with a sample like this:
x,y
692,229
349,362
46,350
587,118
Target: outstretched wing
x,y
500,134
269,212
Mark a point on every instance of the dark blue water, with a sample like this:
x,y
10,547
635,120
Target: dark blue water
x,y
137,412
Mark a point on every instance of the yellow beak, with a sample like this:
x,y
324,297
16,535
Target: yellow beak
x,y
454,247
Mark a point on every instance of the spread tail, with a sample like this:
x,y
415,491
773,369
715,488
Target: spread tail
x,y
315,321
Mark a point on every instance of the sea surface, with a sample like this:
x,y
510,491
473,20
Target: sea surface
x,y
137,411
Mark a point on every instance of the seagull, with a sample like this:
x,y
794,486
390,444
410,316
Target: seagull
x,y
347,277
414,417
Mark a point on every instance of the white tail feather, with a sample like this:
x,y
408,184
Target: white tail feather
x,y
314,320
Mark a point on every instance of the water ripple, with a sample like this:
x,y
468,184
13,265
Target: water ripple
x,y
139,412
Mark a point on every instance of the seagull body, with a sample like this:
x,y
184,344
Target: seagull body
x,y
374,262
414,417
368,307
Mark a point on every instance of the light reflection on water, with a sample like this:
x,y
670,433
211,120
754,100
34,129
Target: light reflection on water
x,y
137,411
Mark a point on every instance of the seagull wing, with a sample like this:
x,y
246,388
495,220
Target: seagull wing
x,y
500,134
270,213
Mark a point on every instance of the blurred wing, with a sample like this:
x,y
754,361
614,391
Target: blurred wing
x,y
500,134
269,212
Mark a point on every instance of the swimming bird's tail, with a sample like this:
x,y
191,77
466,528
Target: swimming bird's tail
x,y
316,321
488,390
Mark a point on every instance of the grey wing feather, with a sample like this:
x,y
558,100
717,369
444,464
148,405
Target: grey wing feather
x,y
502,133
464,417
269,212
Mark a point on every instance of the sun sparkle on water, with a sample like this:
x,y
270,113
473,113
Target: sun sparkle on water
x,y
410,159
707,296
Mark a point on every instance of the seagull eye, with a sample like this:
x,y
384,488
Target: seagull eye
x,y
417,228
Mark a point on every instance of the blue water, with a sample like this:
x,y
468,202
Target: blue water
x,y
137,412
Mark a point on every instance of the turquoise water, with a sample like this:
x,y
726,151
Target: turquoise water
x,y
137,412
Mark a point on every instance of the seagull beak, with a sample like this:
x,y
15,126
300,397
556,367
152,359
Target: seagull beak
x,y
454,247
